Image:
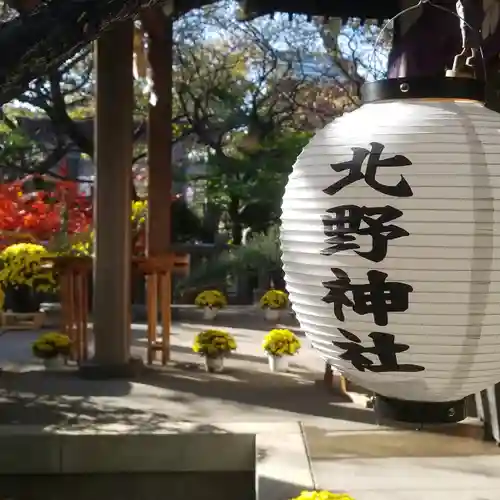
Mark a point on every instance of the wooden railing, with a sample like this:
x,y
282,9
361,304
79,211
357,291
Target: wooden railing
x,y
73,275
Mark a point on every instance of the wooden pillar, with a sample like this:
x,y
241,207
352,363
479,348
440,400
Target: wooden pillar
x,y
159,29
113,153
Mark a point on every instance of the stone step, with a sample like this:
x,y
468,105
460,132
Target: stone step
x,y
260,460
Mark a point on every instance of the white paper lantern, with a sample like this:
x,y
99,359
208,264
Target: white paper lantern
x,y
403,194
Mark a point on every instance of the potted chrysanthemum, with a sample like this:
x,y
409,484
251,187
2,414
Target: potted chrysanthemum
x,y
214,346
272,303
23,274
210,301
52,348
279,346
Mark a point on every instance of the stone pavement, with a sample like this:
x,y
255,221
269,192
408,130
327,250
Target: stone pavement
x,y
306,437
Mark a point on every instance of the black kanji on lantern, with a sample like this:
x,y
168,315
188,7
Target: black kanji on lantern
x,y
402,189
376,297
351,220
337,293
384,348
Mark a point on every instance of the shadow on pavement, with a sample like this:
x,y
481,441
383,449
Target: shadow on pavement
x,y
40,398
286,393
187,393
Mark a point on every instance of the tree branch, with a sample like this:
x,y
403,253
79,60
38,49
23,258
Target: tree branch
x,y
45,38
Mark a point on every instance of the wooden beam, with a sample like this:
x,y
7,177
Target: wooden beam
x,y
366,9
159,29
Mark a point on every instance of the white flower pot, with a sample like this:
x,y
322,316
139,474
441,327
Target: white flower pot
x,y
53,363
278,363
210,313
214,364
272,314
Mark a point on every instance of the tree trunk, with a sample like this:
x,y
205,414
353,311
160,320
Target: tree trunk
x,y
211,221
236,226
35,44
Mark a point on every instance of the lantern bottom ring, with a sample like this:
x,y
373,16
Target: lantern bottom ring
x,y
419,412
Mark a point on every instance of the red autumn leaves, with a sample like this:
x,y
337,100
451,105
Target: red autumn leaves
x,y
41,213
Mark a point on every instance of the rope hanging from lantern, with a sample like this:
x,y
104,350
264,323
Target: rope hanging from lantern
x,y
465,62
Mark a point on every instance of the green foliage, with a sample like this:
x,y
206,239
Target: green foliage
x,y
255,172
262,254
19,153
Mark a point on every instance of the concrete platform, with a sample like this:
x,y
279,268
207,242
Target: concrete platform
x,y
295,434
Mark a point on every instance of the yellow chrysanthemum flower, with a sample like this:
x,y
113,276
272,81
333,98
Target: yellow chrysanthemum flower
x,y
211,298
281,342
139,212
274,299
50,345
322,495
23,264
213,343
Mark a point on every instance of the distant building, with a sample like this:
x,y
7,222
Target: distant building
x,y
76,165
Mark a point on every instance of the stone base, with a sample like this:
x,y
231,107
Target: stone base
x,y
95,371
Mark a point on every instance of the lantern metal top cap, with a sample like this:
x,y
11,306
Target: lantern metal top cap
x,y
424,88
